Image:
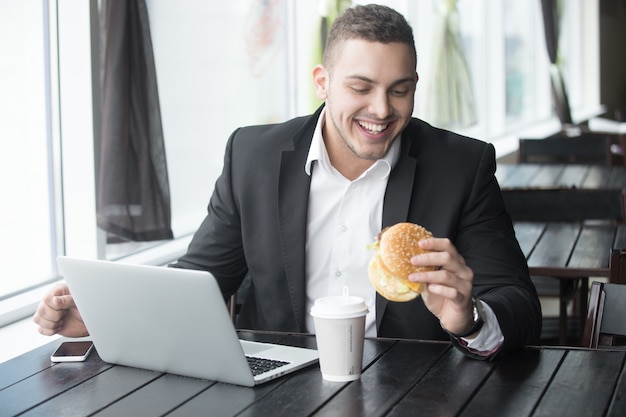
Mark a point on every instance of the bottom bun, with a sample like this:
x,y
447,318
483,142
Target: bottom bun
x,y
390,286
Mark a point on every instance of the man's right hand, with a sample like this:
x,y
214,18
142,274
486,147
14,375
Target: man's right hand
x,y
57,314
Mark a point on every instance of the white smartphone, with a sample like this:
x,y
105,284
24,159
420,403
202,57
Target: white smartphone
x,y
76,351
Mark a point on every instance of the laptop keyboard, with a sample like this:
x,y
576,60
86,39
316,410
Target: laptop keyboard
x,y
261,365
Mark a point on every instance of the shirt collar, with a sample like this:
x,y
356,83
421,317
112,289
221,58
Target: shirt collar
x,y
318,152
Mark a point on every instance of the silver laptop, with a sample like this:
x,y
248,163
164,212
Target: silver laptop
x,y
170,320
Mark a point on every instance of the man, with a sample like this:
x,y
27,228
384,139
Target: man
x,y
297,204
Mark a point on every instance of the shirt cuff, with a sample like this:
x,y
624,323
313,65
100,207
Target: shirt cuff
x,y
489,339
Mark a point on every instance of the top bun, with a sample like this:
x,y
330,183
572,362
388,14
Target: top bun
x,y
398,244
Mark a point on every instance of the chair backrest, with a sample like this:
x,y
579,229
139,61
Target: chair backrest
x,y
231,304
587,148
617,266
565,204
606,324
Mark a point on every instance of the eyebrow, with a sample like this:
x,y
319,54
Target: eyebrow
x,y
370,81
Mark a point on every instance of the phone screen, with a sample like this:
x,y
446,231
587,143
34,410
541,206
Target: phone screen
x,y
72,351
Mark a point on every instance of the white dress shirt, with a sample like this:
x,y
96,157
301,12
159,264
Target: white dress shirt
x,y
344,217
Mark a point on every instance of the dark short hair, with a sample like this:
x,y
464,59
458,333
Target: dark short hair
x,y
372,23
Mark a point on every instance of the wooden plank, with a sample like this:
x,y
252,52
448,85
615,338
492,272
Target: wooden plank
x,y
95,393
505,171
523,176
527,234
597,177
572,176
226,399
517,383
304,385
583,149
305,393
157,397
27,364
618,177
385,383
583,385
547,176
593,247
618,403
555,246
563,204
49,384
446,388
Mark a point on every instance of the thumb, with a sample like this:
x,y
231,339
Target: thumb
x,y
63,302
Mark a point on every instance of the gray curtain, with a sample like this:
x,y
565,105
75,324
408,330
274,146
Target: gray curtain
x,y
133,186
551,17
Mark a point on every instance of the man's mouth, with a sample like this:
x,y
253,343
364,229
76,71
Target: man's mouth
x,y
373,128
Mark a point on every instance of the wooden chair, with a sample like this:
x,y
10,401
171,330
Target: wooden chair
x,y
617,266
234,302
586,148
231,304
606,323
566,205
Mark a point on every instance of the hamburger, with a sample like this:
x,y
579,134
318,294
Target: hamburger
x,y
391,264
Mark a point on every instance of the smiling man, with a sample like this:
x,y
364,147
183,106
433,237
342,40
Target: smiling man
x,y
298,203
369,90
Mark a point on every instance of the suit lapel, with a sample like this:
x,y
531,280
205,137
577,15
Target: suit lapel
x,y
293,198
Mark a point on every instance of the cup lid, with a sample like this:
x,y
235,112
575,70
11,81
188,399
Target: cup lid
x,y
342,306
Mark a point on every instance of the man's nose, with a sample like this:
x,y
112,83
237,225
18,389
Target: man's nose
x,y
380,106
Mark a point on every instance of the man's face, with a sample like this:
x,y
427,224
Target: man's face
x,y
369,92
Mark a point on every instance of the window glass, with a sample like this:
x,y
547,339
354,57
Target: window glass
x,y
219,67
519,32
27,209
527,86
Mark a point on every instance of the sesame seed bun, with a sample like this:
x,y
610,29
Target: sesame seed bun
x,y
391,265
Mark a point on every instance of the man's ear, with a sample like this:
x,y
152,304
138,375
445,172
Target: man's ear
x,y
320,81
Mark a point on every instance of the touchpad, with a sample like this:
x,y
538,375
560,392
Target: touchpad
x,y
252,348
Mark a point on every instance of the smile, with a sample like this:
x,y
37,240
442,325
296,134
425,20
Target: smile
x,y
373,128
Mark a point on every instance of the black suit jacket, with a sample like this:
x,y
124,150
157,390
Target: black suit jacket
x,y
257,216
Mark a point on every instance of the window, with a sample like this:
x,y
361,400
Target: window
x,y
218,67
29,217
221,65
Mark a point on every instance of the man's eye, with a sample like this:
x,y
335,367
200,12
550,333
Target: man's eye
x,y
360,90
400,93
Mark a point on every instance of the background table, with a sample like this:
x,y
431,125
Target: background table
x,y
570,251
511,176
400,378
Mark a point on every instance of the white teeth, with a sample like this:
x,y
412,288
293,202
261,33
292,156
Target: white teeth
x,y
373,128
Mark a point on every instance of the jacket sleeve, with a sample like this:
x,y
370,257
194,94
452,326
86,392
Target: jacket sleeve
x,y
217,244
487,241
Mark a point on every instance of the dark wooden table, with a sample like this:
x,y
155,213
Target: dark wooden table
x,y
570,251
511,176
400,378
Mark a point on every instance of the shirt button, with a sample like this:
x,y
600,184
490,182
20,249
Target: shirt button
x,y
343,228
338,274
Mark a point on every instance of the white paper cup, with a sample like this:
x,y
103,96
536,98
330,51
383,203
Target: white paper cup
x,y
339,332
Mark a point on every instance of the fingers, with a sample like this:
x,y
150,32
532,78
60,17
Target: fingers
x,y
449,287
52,309
453,278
